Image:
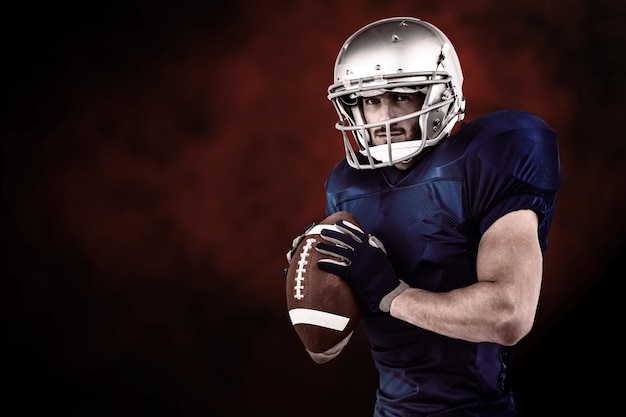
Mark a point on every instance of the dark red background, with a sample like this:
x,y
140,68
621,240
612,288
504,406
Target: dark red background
x,y
158,158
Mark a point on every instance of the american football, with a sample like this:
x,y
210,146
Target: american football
x,y
323,308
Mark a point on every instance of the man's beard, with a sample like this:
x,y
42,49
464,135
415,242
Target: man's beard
x,y
414,133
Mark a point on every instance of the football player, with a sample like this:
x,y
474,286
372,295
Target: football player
x,y
462,208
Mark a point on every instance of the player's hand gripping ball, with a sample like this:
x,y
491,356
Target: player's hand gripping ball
x,y
360,259
323,308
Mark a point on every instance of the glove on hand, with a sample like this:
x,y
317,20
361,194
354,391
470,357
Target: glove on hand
x,y
296,242
294,245
361,260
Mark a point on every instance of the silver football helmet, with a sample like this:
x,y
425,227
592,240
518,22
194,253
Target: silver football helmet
x,y
401,54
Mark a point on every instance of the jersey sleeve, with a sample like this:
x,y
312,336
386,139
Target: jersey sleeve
x,y
515,165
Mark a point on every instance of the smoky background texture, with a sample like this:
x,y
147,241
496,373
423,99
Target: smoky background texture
x,y
158,157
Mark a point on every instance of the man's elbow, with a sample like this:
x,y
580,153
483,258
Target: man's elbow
x,y
513,329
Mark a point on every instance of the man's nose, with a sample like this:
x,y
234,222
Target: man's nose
x,y
385,112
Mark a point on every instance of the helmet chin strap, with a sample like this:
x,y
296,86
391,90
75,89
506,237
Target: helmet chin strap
x,y
397,152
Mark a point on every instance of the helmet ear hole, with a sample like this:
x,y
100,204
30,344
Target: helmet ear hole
x,y
435,121
349,101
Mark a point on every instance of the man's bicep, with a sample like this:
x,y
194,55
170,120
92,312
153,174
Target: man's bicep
x,y
510,262
509,249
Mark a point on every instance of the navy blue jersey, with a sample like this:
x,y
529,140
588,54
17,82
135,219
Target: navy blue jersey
x,y
430,219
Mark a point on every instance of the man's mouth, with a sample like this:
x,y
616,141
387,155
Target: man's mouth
x,y
394,134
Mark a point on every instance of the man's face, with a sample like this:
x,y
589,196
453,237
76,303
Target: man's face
x,y
390,105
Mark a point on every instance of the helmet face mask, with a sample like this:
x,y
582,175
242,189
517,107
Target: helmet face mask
x,y
402,55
